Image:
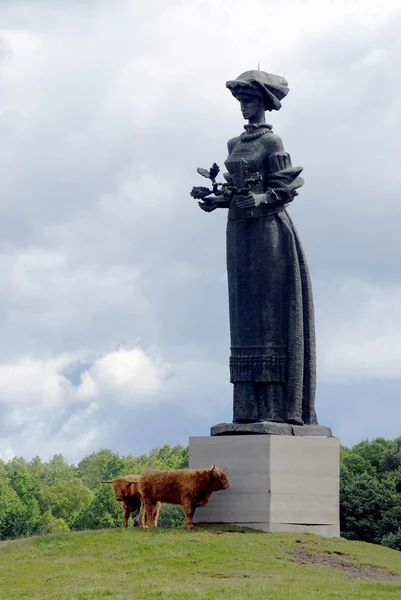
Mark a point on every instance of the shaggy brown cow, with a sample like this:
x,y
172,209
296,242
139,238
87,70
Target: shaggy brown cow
x,y
189,487
127,490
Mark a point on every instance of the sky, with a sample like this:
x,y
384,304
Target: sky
x,y
113,304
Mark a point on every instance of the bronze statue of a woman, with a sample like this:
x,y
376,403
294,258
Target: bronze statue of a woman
x,y
273,362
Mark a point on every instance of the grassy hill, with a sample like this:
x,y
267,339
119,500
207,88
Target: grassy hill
x,y
208,563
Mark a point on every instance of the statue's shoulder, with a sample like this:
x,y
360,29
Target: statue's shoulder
x,y
232,143
272,143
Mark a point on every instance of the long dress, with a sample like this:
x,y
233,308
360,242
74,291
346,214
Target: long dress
x,y
273,361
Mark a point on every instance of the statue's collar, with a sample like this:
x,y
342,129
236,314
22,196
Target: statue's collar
x,y
255,130
251,127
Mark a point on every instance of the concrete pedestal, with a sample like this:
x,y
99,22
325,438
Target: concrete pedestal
x,y
277,482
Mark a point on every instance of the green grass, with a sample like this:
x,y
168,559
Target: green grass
x,y
209,563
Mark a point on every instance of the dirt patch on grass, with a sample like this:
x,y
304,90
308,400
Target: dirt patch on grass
x,y
235,575
220,531
343,562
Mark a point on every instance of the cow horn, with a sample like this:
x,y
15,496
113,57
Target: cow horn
x,y
106,482
213,468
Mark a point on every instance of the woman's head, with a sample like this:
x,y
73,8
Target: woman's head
x,y
252,106
268,88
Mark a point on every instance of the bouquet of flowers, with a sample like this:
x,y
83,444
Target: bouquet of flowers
x,y
222,193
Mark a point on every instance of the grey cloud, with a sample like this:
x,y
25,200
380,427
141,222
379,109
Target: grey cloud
x,y
95,179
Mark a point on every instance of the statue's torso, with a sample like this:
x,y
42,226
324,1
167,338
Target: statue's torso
x,y
254,152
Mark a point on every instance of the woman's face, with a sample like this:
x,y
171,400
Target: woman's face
x,y
250,106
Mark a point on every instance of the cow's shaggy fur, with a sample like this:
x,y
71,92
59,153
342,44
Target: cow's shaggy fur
x,y
128,491
189,487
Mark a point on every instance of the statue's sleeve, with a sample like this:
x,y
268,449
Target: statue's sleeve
x,y
228,177
282,179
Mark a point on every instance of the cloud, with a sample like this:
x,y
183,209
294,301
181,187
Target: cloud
x,y
75,399
63,401
360,331
44,384
122,375
105,113
37,383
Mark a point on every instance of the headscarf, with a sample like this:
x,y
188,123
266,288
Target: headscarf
x,y
271,88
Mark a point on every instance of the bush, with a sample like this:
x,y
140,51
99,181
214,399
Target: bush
x,y
103,512
53,525
171,516
370,477
67,499
392,540
12,513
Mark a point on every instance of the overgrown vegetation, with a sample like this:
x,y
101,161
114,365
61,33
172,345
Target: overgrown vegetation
x,y
48,497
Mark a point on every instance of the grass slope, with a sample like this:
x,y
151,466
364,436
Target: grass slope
x,y
208,563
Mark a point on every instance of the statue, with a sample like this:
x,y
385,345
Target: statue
x,y
273,361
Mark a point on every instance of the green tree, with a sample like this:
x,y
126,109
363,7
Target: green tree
x,y
391,461
103,512
364,500
66,499
375,452
100,465
163,457
370,507
20,480
393,540
52,472
353,463
12,509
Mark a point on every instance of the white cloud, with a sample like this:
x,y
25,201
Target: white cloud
x,y
30,382
45,411
43,384
127,376
70,403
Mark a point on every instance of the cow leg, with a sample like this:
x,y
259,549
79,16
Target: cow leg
x,y
156,513
189,510
127,514
141,516
149,509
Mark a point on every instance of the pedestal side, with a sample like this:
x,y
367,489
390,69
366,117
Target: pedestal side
x,y
277,483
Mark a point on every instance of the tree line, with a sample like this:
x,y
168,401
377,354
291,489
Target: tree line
x,y
38,497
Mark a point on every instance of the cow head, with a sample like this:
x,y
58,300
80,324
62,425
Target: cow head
x,y
122,487
119,486
218,478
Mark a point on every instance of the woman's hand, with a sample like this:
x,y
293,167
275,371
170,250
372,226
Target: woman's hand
x,y
210,203
208,206
250,201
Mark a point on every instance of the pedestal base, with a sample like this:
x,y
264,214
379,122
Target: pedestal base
x,y
277,482
270,428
